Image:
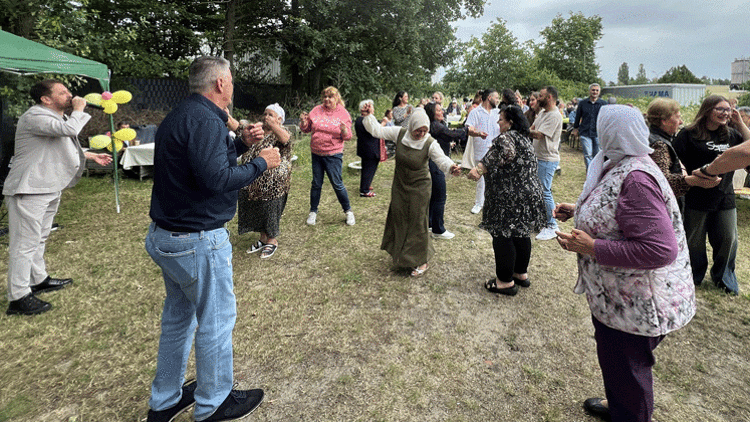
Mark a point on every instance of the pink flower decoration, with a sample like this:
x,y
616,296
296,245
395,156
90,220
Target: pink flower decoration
x,y
106,95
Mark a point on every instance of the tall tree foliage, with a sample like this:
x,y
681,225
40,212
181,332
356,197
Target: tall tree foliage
x,y
623,74
498,61
569,45
368,46
679,75
640,77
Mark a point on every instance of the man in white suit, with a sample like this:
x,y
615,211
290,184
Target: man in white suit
x,y
47,159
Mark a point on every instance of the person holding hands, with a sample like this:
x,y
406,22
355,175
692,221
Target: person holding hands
x,y
633,262
406,237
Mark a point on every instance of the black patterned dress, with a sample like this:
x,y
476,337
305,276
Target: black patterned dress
x,y
260,205
513,204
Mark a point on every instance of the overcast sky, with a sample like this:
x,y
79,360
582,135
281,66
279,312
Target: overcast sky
x,y
707,36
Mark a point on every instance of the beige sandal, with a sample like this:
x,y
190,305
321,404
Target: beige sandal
x,y
418,272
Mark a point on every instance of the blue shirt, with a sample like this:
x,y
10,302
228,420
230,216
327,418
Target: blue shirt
x,y
196,176
586,115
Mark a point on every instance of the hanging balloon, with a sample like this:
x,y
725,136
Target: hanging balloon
x,y
122,96
106,95
93,98
110,107
126,134
100,142
118,144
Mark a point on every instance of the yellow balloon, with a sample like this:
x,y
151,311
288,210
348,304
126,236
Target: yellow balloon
x,y
126,134
121,97
118,144
110,107
93,98
100,142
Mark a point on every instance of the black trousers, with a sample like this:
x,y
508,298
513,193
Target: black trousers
x,y
369,167
512,255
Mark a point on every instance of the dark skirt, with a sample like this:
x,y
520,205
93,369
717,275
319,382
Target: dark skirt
x,y
260,216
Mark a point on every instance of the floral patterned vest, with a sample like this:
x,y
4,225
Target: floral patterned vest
x,y
642,302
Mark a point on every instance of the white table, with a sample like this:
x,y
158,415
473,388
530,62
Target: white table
x,y
139,156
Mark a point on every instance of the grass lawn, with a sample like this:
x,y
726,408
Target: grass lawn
x,y
333,334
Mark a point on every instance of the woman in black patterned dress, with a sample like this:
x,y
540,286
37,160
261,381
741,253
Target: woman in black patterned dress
x,y
261,204
513,207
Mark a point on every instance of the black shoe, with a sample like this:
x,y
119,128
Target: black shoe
x,y
28,305
491,286
51,284
238,404
187,400
522,283
595,407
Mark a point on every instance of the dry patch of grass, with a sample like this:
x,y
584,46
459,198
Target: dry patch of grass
x,y
333,334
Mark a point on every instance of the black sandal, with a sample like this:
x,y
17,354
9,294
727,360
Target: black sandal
x,y
491,286
522,283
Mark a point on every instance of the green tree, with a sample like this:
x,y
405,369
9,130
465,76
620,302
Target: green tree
x,y
361,46
679,75
569,45
623,74
497,60
640,77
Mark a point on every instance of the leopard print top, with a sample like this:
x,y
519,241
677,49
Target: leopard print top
x,y
273,183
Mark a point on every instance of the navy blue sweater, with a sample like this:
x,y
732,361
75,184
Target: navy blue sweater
x,y
586,115
196,176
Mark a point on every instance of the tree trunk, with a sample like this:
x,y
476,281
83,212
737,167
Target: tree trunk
x,y
230,25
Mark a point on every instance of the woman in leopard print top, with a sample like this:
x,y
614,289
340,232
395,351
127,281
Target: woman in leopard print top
x,y
261,204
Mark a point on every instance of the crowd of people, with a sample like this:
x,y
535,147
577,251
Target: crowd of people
x,y
653,193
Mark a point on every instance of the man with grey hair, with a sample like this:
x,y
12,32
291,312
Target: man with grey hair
x,y
196,179
368,149
585,123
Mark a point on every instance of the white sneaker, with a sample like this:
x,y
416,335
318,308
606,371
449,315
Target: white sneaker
x,y
547,233
476,209
350,218
444,235
311,218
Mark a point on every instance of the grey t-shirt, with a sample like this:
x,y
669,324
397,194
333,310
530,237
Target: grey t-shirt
x,y
550,124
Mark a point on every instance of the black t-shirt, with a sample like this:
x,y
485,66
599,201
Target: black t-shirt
x,y
694,153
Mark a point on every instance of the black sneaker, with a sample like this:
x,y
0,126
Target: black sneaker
x,y
238,404
187,400
28,305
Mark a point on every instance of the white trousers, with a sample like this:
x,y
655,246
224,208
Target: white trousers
x,y
30,221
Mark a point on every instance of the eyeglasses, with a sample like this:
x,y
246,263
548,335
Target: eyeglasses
x,y
722,110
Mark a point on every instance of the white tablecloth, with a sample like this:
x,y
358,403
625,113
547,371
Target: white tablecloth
x,y
141,155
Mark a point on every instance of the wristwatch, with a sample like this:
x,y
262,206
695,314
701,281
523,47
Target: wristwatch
x,y
704,170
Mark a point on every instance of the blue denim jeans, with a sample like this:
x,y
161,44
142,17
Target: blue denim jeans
x,y
546,171
331,165
197,270
721,229
590,147
437,199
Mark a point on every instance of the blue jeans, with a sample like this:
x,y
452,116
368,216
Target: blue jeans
x,y
590,147
197,270
331,165
437,199
546,171
721,229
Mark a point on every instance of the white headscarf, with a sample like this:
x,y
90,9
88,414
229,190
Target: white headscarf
x,y
622,133
280,111
417,120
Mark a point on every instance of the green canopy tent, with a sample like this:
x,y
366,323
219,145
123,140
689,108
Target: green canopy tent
x,y
25,57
